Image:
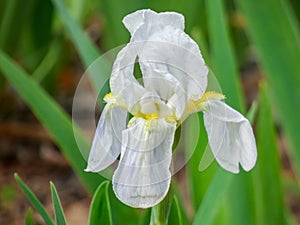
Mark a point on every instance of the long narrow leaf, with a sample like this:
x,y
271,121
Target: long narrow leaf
x,y
83,44
213,198
226,69
51,116
100,71
274,31
85,47
222,56
100,211
29,217
175,213
58,211
269,202
34,201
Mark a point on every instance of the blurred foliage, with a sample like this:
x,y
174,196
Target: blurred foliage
x,y
40,40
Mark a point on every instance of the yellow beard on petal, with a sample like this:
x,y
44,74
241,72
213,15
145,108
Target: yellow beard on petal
x,y
200,104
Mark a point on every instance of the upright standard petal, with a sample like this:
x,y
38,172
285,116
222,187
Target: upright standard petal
x,y
171,53
146,16
123,84
168,50
143,176
106,145
230,136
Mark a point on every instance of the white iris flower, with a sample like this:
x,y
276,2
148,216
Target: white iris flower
x,y
173,87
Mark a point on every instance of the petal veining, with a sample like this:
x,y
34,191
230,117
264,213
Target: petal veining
x,y
230,136
106,145
143,176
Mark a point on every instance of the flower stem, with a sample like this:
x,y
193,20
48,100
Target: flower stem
x,y
160,212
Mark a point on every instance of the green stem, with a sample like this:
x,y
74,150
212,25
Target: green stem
x,y
160,212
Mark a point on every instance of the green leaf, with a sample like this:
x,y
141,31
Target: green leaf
x,y
100,71
48,62
213,198
175,213
34,201
55,120
267,169
58,211
160,212
222,56
226,69
85,47
272,27
11,23
100,210
29,220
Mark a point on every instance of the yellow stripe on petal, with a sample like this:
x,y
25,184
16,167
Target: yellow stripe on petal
x,y
210,95
109,97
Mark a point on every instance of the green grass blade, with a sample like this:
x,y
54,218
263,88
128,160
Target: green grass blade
x,y
275,34
226,69
34,201
213,198
55,120
58,211
175,213
198,181
29,220
100,210
85,47
12,22
267,169
48,62
222,56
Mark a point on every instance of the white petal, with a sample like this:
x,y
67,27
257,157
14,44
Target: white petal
x,y
168,51
152,103
106,145
134,20
143,176
173,54
123,84
230,136
166,86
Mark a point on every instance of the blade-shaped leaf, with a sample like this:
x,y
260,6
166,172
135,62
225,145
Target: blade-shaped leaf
x,y
268,170
175,213
56,121
29,217
85,47
226,69
58,211
222,56
34,201
213,198
100,211
274,31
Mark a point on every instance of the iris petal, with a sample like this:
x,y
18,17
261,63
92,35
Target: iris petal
x,y
134,20
230,136
143,176
106,145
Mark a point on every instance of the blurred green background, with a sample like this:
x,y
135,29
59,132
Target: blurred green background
x,y
253,48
